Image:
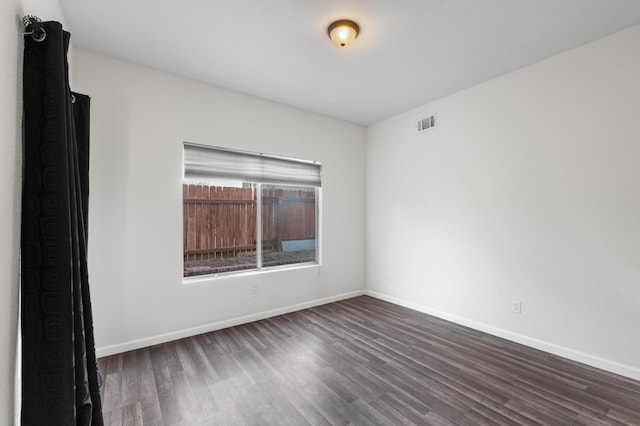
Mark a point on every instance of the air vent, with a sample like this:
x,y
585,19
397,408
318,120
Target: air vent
x,y
427,123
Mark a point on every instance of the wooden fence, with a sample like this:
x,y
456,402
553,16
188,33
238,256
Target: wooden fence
x,y
221,222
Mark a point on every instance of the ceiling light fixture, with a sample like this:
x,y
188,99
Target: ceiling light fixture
x,y
343,32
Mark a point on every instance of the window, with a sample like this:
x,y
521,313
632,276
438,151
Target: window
x,y
244,211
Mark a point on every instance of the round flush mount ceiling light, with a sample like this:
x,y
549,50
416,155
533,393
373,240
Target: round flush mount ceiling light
x,y
343,32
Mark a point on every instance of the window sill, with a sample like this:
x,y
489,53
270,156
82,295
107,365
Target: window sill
x,y
198,279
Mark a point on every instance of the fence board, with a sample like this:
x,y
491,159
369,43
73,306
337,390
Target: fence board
x,y
221,222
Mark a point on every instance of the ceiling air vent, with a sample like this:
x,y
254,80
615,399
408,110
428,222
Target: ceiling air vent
x,y
426,123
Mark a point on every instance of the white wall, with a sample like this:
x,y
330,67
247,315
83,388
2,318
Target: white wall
x,y
529,190
140,118
11,48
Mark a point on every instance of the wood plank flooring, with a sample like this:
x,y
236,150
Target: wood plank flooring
x,y
360,361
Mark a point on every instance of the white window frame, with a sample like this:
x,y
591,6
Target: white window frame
x,y
303,173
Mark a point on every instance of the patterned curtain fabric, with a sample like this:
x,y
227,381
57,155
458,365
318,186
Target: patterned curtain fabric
x,y
60,379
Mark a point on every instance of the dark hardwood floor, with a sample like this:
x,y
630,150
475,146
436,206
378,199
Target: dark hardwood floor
x,y
360,361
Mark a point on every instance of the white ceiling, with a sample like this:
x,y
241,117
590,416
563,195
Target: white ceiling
x,y
409,52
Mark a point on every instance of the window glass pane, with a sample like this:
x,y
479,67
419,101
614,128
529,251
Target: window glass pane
x,y
247,211
219,221
288,225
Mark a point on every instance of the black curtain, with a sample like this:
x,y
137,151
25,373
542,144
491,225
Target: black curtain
x,y
60,379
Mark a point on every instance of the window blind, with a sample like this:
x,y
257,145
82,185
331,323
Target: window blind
x,y
204,162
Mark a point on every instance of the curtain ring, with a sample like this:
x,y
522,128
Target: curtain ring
x,y
39,36
73,98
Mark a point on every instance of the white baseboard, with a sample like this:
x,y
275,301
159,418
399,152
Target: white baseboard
x,y
206,328
594,361
584,358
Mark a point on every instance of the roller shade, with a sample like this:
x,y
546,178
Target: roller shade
x,y
204,162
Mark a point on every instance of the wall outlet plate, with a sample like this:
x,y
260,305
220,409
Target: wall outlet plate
x,y
516,307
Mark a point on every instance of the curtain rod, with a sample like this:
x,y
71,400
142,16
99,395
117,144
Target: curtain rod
x,y
34,27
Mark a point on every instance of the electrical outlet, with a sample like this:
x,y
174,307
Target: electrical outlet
x,y
254,291
516,307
